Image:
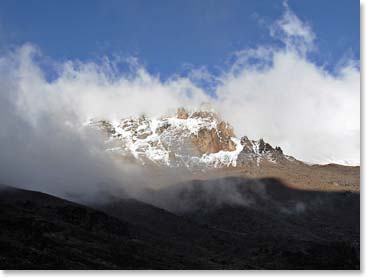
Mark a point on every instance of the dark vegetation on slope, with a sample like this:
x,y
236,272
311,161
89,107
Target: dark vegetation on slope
x,y
274,227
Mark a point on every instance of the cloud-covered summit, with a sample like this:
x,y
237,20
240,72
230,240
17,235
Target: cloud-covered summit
x,y
273,92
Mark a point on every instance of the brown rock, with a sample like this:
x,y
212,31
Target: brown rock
x,y
207,141
264,147
212,141
229,145
162,128
225,129
248,145
182,113
204,114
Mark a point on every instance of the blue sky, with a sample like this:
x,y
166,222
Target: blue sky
x,y
167,35
287,72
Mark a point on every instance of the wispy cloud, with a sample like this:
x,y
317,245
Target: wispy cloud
x,y
296,34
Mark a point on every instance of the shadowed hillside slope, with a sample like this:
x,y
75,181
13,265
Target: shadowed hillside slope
x,y
230,223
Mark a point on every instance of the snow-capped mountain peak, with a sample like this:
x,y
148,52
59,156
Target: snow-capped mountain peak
x,y
193,139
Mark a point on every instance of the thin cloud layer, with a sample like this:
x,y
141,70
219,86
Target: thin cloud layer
x,y
296,35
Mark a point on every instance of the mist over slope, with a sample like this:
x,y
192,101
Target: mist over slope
x,y
258,224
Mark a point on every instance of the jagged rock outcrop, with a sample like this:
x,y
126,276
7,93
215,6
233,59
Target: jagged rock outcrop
x,y
258,151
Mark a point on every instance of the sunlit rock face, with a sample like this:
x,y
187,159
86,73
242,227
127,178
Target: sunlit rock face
x,y
191,139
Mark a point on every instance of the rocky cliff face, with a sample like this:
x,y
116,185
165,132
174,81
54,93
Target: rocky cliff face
x,y
193,139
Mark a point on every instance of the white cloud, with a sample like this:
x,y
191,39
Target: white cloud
x,y
313,115
280,95
269,92
90,89
296,34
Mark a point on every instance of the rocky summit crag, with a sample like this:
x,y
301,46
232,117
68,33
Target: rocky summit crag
x,y
191,139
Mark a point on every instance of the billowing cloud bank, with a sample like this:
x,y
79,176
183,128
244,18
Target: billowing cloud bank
x,y
272,92
292,102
